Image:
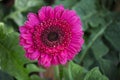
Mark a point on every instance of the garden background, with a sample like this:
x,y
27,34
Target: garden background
x,y
100,55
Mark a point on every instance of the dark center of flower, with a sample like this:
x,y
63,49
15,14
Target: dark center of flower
x,y
52,36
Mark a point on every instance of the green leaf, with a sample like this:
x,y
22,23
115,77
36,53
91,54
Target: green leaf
x,y
99,49
66,3
97,19
112,34
23,5
5,76
74,72
12,58
1,30
11,55
22,9
93,37
90,14
36,77
109,68
85,8
78,72
34,68
18,18
89,60
95,74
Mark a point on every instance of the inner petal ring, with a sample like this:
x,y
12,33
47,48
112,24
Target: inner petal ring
x,y
52,36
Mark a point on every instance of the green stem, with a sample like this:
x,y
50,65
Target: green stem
x,y
60,72
69,72
85,51
56,72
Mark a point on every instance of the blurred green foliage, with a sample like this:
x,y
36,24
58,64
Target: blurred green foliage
x,y
99,58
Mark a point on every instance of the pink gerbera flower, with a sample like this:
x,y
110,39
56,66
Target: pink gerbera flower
x,y
53,36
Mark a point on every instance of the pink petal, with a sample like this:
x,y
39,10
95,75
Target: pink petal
x,y
45,60
70,56
26,36
62,57
68,14
22,29
59,7
30,50
55,60
71,17
27,46
74,47
22,41
74,20
46,12
29,41
33,56
32,20
58,11
77,29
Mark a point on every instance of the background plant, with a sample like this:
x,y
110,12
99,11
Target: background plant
x,y
99,58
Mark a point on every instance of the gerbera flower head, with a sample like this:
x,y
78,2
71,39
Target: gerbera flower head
x,y
53,36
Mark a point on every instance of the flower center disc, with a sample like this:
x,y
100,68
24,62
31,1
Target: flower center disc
x,y
52,36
